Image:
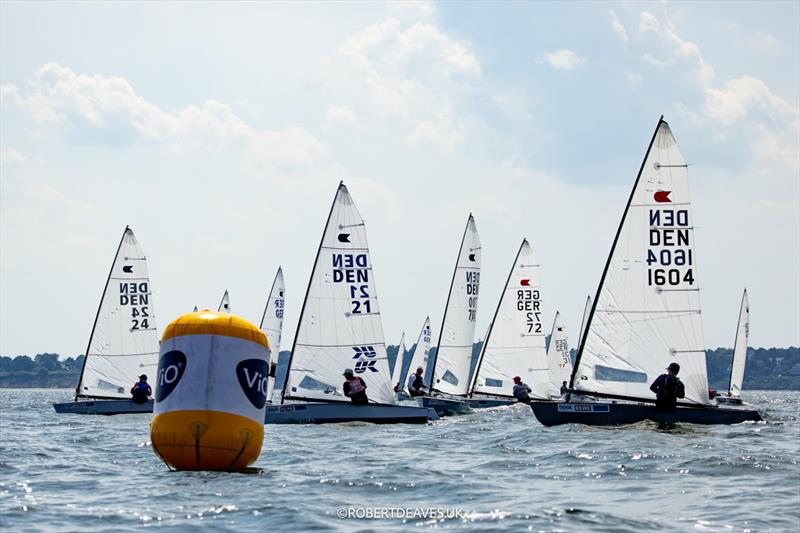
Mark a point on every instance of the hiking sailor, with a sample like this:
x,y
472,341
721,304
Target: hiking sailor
x,y
521,391
355,388
141,391
668,388
416,384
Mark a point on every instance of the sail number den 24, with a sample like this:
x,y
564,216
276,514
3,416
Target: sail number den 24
x,y
353,269
669,254
137,296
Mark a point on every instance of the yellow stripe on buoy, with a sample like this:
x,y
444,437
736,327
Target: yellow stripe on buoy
x,y
211,392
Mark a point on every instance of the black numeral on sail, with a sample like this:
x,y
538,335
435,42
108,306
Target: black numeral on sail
x,y
669,246
353,270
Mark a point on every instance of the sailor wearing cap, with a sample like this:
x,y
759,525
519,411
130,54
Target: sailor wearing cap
x,y
355,388
668,388
141,391
521,390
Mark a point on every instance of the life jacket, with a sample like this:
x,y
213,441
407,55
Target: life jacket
x,y
140,389
356,386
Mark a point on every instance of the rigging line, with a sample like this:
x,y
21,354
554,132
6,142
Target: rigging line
x,y
343,226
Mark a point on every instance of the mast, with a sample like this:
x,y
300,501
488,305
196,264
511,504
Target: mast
x,y
585,332
444,318
308,289
97,315
491,325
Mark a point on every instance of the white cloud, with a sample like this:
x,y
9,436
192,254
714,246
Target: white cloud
x,y
563,59
743,95
619,28
410,73
389,44
57,95
673,47
633,78
765,42
10,158
340,115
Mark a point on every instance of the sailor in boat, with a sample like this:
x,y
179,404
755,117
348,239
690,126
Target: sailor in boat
x,y
668,388
141,391
416,384
521,391
564,389
355,388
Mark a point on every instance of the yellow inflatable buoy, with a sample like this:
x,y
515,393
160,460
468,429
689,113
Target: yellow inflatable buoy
x,y
211,389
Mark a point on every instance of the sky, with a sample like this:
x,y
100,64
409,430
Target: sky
x,y
220,131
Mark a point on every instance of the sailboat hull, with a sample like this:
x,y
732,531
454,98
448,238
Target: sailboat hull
x,y
332,413
484,403
104,407
445,406
611,414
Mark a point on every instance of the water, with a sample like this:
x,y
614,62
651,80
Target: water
x,y
496,469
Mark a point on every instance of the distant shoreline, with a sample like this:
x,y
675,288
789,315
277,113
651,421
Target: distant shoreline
x,y
768,369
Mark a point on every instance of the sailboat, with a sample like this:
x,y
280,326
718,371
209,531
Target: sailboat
x,y
272,326
398,364
739,356
340,327
646,313
515,342
559,363
449,384
123,343
225,304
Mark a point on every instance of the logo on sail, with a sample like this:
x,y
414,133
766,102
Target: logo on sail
x,y
472,257
366,351
662,197
252,375
344,237
525,282
171,367
128,269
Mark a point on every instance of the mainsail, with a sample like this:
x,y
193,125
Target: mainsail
x,y
225,303
272,325
419,358
646,314
559,363
740,348
515,342
340,322
454,350
124,341
398,361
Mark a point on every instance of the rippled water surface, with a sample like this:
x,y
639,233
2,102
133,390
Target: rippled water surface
x,y
495,469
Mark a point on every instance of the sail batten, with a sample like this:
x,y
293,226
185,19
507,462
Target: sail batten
x,y
646,313
340,324
454,349
515,342
124,339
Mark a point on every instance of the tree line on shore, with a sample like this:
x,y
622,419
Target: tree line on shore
x,y
766,369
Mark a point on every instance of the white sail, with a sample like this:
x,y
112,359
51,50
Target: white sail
x,y
124,341
587,309
225,303
398,361
454,351
515,342
647,310
195,309
340,322
421,352
272,324
740,348
559,363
